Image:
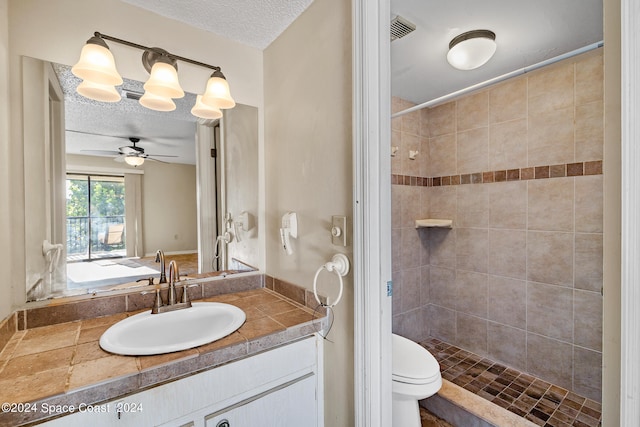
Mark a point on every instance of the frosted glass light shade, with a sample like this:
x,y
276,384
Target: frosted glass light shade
x,y
471,50
134,160
158,103
217,94
163,81
104,93
96,64
204,111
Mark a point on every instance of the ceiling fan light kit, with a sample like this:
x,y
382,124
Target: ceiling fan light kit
x,y
96,67
472,49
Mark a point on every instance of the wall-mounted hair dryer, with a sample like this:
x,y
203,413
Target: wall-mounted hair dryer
x,y
288,229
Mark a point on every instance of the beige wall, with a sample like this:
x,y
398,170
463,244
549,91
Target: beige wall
x,y
169,208
5,228
612,210
519,276
309,170
67,24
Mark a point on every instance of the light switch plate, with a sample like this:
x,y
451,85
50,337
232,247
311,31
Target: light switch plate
x,y
339,230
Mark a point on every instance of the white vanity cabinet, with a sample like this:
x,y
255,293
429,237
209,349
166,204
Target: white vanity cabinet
x,y
279,387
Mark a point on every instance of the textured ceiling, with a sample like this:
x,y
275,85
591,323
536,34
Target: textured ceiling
x,y
527,32
254,23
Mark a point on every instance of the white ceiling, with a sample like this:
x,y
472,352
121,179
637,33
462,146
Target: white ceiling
x,y
527,32
254,23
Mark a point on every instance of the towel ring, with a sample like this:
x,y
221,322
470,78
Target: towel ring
x,y
339,264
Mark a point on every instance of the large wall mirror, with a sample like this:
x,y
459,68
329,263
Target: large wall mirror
x,y
108,184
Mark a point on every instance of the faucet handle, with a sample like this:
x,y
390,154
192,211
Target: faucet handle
x,y
185,295
157,303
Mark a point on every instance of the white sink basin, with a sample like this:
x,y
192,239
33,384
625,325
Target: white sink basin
x,y
146,333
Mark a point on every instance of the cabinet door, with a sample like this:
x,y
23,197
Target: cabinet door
x,y
291,406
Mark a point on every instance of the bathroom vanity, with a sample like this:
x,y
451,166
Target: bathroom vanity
x,y
276,387
268,372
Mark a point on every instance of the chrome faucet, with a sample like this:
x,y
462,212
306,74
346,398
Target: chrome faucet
x,y
160,259
174,276
172,301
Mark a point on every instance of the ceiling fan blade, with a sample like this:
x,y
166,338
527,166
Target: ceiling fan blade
x,y
158,160
102,152
161,155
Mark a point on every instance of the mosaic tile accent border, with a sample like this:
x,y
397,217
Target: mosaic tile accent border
x,y
536,400
522,174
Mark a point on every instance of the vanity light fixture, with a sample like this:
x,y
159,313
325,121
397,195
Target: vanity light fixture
x,y
204,111
472,49
96,67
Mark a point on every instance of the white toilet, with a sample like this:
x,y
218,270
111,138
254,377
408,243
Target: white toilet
x,y
415,376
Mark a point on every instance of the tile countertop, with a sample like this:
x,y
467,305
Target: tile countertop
x,y
64,364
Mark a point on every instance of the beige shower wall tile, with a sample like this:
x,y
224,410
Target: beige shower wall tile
x,y
396,300
550,360
398,104
442,323
507,301
396,249
472,333
424,122
589,132
588,262
442,119
411,122
411,207
473,205
473,150
590,78
551,204
410,291
396,205
411,142
551,89
507,345
508,145
508,205
442,247
443,202
473,111
472,291
396,161
471,249
443,290
588,319
508,101
550,311
508,253
550,257
589,204
551,137
587,376
411,251
442,155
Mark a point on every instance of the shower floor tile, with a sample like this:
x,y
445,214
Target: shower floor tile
x,y
536,400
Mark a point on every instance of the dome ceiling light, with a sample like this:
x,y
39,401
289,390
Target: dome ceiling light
x,y
472,49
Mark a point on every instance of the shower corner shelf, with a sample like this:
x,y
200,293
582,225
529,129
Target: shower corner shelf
x,y
434,223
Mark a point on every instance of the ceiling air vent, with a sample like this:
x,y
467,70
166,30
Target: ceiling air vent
x,y
400,27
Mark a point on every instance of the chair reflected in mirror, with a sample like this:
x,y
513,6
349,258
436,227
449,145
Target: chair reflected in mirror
x,y
113,238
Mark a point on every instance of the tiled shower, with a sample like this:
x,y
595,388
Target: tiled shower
x,y
518,168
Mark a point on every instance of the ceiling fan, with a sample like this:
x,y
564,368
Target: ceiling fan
x,y
131,154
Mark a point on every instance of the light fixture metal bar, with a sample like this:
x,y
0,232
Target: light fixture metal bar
x,y
146,48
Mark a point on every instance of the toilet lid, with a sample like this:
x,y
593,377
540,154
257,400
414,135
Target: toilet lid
x,y
412,363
